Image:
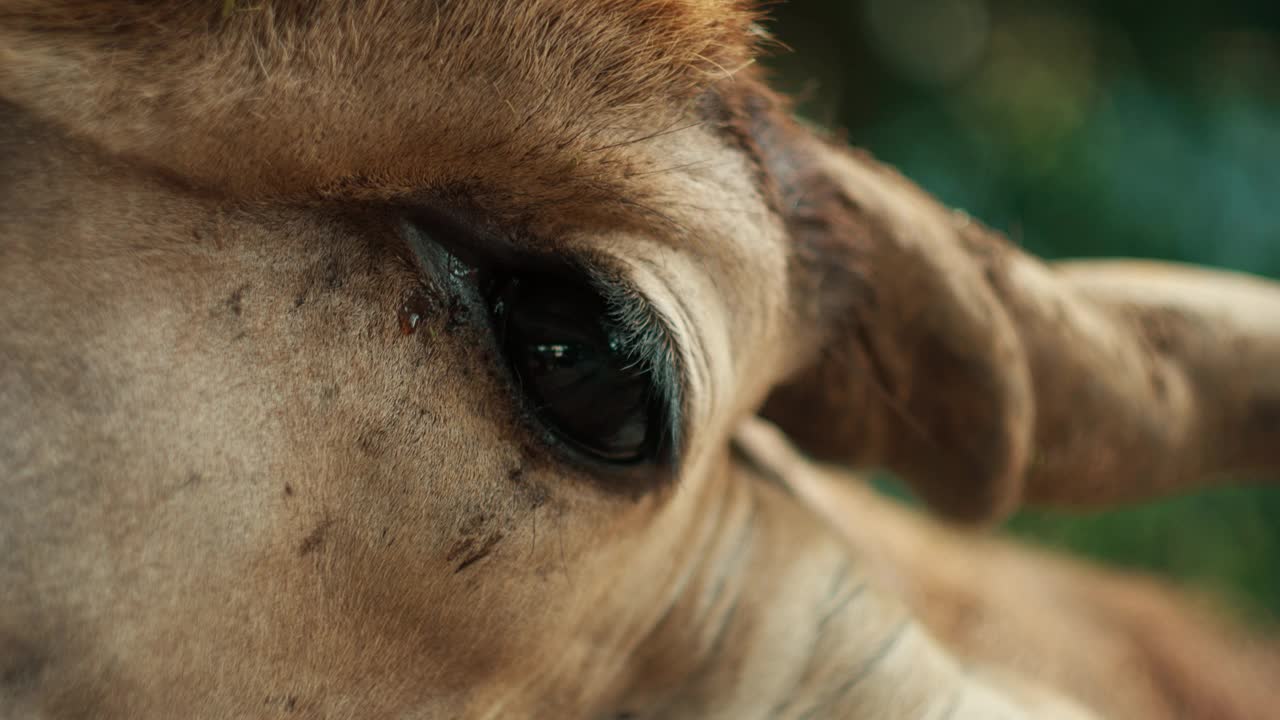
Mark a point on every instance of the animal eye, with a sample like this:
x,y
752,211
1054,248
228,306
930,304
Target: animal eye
x,y
568,360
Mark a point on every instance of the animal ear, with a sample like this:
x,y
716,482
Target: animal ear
x,y
928,345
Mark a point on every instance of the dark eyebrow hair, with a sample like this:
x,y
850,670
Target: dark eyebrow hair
x,y
645,337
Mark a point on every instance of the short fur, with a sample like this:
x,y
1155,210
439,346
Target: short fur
x,y
256,462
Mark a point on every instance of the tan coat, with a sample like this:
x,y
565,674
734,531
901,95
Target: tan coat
x,y
264,451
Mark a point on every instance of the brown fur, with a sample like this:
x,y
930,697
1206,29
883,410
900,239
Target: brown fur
x,y
255,463
1129,644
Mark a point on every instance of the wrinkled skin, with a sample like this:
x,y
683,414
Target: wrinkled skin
x,y
257,461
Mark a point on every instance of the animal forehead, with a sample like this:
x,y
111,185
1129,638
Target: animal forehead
x,y
274,98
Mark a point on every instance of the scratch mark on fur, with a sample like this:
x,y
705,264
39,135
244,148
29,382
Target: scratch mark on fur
x,y
486,547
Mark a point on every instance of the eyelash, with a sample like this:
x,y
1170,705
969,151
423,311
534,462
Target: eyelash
x,y
646,337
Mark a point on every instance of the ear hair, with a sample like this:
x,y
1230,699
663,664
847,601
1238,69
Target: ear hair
x,y
930,346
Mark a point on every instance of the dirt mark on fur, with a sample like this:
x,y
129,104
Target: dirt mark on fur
x,y
315,538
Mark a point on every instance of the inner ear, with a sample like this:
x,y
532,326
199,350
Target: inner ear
x,y
926,344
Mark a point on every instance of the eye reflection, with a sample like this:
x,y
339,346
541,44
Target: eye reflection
x,y
559,340
557,355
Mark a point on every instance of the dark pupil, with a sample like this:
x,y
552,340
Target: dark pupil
x,y
563,352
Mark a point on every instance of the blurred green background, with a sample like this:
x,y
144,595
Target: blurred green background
x,y
1120,128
